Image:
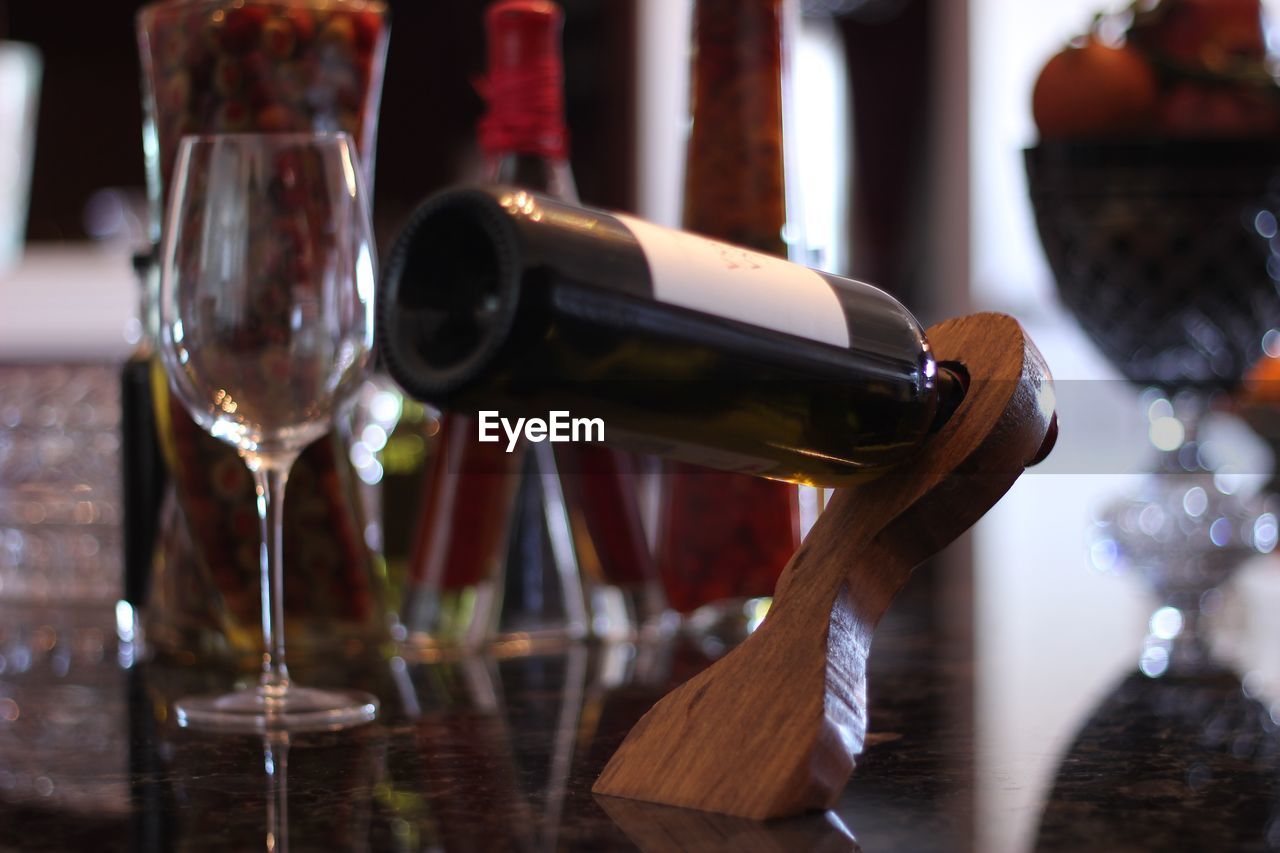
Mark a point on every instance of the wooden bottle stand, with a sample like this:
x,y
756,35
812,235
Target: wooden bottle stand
x,y
773,728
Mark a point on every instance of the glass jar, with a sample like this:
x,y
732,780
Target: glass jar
x,y
224,66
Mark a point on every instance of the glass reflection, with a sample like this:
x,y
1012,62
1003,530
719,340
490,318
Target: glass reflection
x,y
275,793
1187,763
275,754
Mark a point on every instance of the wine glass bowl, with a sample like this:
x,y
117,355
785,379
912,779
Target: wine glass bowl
x,y
267,322
266,329
1166,252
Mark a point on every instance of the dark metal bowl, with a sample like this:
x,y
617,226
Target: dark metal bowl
x,y
1166,252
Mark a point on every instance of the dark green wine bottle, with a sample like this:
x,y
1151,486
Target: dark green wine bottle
x,y
500,300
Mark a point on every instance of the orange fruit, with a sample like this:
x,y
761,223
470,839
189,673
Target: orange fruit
x,y
1091,89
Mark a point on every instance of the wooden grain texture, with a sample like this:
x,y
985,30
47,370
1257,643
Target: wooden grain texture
x,y
773,728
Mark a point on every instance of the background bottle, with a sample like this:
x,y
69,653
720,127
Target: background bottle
x,y
724,537
142,468
395,443
802,376
574,552
526,144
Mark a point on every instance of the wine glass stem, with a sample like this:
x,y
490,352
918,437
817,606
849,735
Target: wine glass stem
x,y
270,479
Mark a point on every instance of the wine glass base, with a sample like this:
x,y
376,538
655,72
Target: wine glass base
x,y
295,709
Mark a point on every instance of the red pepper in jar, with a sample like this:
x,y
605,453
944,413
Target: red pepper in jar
x,y
729,535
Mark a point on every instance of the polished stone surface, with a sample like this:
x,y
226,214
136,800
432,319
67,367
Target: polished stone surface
x,y
488,754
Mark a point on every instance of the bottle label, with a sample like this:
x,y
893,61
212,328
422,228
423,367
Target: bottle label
x,y
739,284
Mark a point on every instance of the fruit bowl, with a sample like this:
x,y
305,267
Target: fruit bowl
x,y
1168,254
1166,251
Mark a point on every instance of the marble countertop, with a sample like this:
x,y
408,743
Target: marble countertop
x,y
489,754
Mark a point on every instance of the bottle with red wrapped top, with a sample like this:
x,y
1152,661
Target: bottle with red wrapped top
x,y
726,537
572,559
264,66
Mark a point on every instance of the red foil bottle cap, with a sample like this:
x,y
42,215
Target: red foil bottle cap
x,y
524,89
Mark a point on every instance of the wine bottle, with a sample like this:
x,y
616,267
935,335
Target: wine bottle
x,y
723,538
500,300
142,468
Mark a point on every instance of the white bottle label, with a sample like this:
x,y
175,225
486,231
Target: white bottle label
x,y
739,284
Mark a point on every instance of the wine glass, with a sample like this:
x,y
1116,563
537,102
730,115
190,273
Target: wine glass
x,y
266,313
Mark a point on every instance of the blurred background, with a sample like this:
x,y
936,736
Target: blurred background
x,y
910,121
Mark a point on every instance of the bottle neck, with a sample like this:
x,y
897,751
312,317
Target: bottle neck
x,y
550,175
736,185
522,132
525,112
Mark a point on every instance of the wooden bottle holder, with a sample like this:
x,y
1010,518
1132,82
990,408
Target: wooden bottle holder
x,y
773,728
